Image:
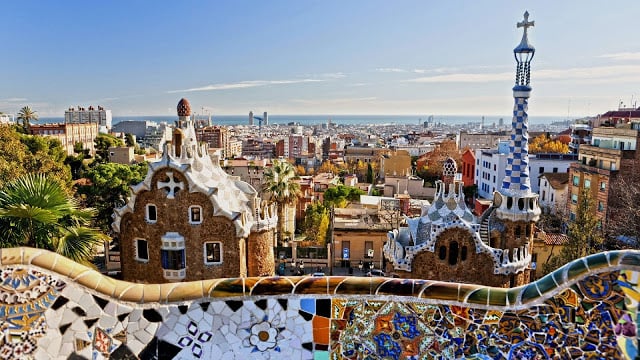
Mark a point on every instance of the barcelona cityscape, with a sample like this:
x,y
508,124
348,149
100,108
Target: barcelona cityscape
x,y
319,180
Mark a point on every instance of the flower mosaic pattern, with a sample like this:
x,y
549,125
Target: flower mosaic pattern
x,y
264,336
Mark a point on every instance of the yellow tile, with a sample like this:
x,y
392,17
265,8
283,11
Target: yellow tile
x,y
186,291
151,293
134,293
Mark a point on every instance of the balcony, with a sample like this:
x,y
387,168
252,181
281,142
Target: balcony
x,y
174,275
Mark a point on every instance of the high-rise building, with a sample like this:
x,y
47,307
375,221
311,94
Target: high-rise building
x,y
80,115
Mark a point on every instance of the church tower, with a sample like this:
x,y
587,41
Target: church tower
x,y
516,206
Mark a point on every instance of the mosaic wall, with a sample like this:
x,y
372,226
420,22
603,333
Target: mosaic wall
x,y
53,308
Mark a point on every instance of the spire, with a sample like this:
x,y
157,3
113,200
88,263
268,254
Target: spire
x,y
515,199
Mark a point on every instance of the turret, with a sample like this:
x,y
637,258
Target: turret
x,y
514,200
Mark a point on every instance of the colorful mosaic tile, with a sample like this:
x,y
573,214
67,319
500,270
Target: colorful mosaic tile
x,y
592,314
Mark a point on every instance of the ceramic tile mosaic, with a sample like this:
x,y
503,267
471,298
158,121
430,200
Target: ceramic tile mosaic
x,y
55,309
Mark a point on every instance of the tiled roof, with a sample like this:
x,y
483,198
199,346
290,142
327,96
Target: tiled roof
x,y
557,180
555,239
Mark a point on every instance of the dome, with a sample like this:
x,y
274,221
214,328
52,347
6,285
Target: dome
x,y
449,168
184,108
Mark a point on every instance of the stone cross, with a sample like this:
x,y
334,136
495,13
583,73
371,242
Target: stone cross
x,y
525,23
172,185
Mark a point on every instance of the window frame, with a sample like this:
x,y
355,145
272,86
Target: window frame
x,y
204,253
146,213
136,242
191,213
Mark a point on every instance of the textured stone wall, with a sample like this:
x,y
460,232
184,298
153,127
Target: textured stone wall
x,y
475,269
51,307
260,258
173,216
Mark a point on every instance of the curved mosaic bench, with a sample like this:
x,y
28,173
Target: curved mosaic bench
x,y
52,307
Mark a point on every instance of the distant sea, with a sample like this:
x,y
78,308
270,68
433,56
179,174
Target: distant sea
x,y
338,119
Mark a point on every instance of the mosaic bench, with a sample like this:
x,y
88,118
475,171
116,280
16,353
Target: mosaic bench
x,y
51,307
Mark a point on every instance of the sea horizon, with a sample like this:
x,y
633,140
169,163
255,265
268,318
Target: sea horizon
x,y
310,120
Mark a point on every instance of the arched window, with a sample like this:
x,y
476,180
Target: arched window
x,y
517,230
463,253
442,252
453,253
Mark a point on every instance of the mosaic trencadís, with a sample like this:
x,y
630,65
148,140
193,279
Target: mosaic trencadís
x,y
53,308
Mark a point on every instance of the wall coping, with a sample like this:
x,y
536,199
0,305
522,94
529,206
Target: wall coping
x,y
416,290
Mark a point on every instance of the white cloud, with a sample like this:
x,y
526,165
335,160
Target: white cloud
x,y
463,78
622,56
13,100
244,85
336,75
391,70
334,101
594,74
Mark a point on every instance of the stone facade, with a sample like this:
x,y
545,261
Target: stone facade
x,y
189,220
173,214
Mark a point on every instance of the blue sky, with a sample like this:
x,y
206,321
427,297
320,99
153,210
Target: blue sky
x,y
316,57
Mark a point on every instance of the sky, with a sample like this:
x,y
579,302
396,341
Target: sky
x,y
316,57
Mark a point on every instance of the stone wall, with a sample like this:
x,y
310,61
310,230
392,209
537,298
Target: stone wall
x,y
260,258
173,215
51,307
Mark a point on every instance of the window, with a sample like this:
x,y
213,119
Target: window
x,y
195,214
453,253
463,253
544,193
576,180
587,184
442,252
574,198
142,250
572,216
152,213
603,186
613,165
551,196
212,253
368,249
173,256
173,259
600,206
541,170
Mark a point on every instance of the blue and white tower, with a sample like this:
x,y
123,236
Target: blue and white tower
x,y
515,201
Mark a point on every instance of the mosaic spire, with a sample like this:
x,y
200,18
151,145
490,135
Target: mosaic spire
x,y
516,180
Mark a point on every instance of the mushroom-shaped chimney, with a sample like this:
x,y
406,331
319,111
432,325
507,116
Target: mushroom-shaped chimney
x,y
184,108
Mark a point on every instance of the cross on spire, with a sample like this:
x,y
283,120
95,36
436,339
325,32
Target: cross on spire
x,y
171,185
525,23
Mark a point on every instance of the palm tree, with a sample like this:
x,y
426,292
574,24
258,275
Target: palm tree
x,y
281,188
26,115
36,211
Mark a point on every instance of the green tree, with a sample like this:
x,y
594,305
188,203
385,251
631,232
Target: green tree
x,y
583,238
316,223
21,154
36,211
109,186
129,140
339,196
26,115
102,144
370,178
281,187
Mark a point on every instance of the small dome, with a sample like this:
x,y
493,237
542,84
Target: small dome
x,y
184,108
449,168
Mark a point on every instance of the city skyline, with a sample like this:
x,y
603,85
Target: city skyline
x,y
316,58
